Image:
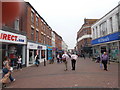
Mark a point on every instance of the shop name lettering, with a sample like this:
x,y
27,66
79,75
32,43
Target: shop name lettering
x,y
50,47
10,37
103,39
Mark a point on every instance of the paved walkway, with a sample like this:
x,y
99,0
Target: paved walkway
x,y
87,74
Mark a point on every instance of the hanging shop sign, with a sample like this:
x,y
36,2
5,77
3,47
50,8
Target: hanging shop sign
x,y
108,38
12,37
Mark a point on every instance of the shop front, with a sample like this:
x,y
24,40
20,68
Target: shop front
x,y
109,44
34,49
13,45
54,51
49,52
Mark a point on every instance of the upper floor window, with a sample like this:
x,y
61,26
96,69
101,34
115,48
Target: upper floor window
x,y
37,21
111,24
117,19
37,33
93,35
32,17
103,29
32,33
96,31
44,39
44,28
16,24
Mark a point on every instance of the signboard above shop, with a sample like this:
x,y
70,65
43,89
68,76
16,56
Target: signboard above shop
x,y
12,37
36,46
108,38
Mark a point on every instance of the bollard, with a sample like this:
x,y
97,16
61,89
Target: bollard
x,y
44,62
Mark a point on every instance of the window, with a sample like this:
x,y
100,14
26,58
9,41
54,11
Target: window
x,y
42,54
111,25
32,17
96,32
85,42
37,36
100,29
32,33
37,21
85,32
103,29
44,28
42,38
16,24
117,19
93,33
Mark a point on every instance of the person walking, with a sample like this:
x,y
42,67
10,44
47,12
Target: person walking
x,y
19,62
83,56
7,69
73,60
105,60
65,58
37,60
58,58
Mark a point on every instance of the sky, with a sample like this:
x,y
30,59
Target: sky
x,y
67,16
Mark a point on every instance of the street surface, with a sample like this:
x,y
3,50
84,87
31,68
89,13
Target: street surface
x,y
88,74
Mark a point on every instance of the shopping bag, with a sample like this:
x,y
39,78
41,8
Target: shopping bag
x,y
5,79
100,65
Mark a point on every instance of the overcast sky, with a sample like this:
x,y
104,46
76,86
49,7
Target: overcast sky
x,y
67,16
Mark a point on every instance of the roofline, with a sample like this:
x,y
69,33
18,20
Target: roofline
x,y
38,14
107,13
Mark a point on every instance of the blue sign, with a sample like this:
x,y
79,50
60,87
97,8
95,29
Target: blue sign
x,y
49,47
108,38
49,52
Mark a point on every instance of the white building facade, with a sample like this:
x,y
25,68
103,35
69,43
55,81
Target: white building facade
x,y
106,35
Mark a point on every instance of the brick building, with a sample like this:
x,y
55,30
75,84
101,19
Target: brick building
x,y
38,34
35,37
84,37
58,42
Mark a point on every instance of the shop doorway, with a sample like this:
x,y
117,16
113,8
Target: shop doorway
x,y
31,56
103,49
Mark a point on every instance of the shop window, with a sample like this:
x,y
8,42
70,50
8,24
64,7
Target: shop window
x,y
4,51
13,52
103,49
35,53
42,54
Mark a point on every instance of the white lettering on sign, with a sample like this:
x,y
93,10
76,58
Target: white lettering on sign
x,y
11,37
103,39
